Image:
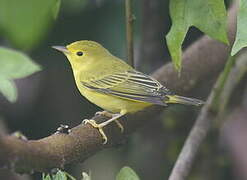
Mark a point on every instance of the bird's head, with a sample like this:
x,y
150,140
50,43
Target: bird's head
x,y
83,53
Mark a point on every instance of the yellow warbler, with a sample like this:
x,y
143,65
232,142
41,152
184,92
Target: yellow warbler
x,y
110,83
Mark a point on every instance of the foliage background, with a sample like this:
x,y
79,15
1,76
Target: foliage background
x,y
49,98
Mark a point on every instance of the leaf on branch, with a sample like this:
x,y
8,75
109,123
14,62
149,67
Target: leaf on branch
x,y
126,173
13,65
46,177
209,16
241,36
24,23
60,175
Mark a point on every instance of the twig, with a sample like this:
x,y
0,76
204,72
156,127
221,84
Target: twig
x,y
151,52
235,77
208,115
129,31
197,135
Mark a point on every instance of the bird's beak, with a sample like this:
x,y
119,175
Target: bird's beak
x,y
61,48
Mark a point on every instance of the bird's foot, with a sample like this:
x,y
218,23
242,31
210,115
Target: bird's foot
x,y
100,126
114,117
120,126
110,115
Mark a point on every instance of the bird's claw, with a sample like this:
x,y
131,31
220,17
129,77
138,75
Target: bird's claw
x,y
120,126
98,126
113,117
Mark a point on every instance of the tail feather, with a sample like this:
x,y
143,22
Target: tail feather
x,y
183,100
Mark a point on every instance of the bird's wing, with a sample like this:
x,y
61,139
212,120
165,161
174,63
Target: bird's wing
x,y
132,85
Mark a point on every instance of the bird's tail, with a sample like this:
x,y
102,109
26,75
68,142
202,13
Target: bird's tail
x,y
183,100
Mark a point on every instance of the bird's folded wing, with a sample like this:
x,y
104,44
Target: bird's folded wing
x,y
132,85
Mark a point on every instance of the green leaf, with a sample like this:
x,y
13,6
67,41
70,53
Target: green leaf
x,y
8,89
126,173
209,16
241,35
25,22
13,65
60,175
46,177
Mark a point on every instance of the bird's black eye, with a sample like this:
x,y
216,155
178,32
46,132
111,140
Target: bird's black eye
x,y
79,53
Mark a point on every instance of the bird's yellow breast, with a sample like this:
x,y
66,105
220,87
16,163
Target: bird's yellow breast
x,y
111,103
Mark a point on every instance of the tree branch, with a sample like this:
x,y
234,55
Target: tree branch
x,y
197,135
152,49
206,117
201,62
129,31
235,76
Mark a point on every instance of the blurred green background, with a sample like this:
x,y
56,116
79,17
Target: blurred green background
x,y
49,98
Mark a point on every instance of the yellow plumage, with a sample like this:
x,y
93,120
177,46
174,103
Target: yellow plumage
x,y
110,83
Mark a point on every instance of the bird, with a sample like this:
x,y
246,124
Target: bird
x,y
113,85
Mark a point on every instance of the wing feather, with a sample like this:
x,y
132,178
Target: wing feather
x,y
132,85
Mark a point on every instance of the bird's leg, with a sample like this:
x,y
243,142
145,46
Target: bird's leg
x,y
110,115
114,117
101,125
104,113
